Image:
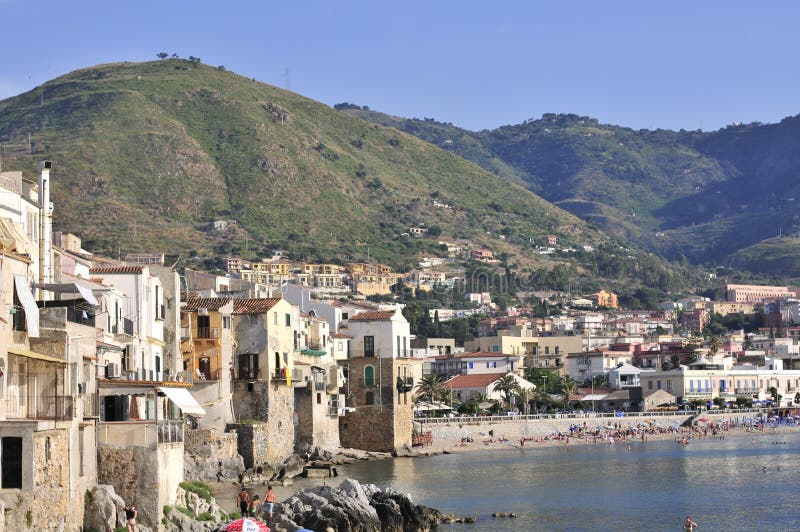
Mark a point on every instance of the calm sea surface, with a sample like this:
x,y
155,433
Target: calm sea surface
x,y
721,483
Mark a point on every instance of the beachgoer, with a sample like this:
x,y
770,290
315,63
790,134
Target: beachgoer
x,y
688,524
243,500
269,501
130,518
255,507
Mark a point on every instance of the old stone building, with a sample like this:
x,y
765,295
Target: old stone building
x,y
381,376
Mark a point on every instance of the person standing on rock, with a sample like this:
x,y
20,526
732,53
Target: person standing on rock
x,y
244,501
130,518
269,501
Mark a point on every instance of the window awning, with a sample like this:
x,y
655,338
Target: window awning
x,y
38,356
29,304
314,352
71,288
184,400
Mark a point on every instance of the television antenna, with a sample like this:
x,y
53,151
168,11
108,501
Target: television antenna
x,y
286,78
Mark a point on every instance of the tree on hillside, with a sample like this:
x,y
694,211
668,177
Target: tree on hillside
x,y
713,344
162,55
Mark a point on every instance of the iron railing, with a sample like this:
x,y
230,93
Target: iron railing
x,y
206,333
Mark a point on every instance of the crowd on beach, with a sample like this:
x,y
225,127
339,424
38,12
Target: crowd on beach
x,y
625,433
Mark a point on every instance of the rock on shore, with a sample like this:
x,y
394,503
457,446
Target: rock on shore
x,y
353,507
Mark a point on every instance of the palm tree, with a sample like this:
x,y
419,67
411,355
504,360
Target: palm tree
x,y
428,388
506,385
569,389
714,344
525,396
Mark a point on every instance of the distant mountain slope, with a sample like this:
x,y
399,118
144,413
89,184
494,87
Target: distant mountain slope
x,y
700,195
148,154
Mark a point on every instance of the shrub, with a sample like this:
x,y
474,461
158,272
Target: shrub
x,y
201,489
206,516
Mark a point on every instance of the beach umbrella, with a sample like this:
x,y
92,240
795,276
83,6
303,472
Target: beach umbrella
x,y
247,524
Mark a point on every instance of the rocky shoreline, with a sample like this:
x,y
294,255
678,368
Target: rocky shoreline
x,y
354,507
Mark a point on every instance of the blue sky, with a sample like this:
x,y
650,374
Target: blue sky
x,y
643,64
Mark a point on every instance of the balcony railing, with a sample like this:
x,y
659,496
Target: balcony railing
x,y
207,333
747,390
170,431
44,407
147,434
123,327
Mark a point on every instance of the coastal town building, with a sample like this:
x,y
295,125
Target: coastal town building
x,y
469,387
745,293
381,375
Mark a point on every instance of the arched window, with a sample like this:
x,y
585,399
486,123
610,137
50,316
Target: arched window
x,y
369,376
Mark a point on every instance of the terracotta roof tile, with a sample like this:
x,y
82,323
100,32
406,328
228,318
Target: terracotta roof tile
x,y
210,303
116,269
473,381
376,315
254,306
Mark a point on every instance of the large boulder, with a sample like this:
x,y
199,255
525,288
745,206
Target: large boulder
x,y
104,509
353,507
292,467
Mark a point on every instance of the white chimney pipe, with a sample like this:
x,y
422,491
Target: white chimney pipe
x,y
45,225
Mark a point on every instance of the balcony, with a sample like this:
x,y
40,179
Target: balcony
x,y
41,407
149,434
125,326
207,333
746,391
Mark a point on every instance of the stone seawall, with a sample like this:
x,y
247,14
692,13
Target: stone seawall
x,y
455,429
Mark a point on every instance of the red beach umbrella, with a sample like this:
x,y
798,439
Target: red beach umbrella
x,y
247,524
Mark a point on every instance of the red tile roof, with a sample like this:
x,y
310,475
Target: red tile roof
x,y
210,303
116,269
254,306
375,315
480,380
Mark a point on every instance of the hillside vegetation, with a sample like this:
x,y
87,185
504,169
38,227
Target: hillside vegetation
x,y
699,195
147,155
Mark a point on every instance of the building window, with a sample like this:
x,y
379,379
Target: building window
x,y
547,350
319,398
369,376
649,385
288,318
369,346
495,348
658,384
470,365
487,364
369,398
398,346
669,384
275,318
345,315
494,364
691,385
11,450
558,350
226,322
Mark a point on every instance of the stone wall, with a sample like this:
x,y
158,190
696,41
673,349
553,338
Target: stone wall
x,y
211,455
51,484
251,400
455,430
144,476
201,441
314,427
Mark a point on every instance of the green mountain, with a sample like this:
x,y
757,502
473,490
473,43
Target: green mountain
x,y
147,155
700,195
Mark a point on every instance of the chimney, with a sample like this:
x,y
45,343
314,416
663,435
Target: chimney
x,y
45,226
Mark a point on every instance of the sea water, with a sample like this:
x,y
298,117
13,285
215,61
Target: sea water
x,y
731,484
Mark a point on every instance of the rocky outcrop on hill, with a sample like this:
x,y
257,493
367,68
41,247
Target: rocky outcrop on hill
x,y
353,507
